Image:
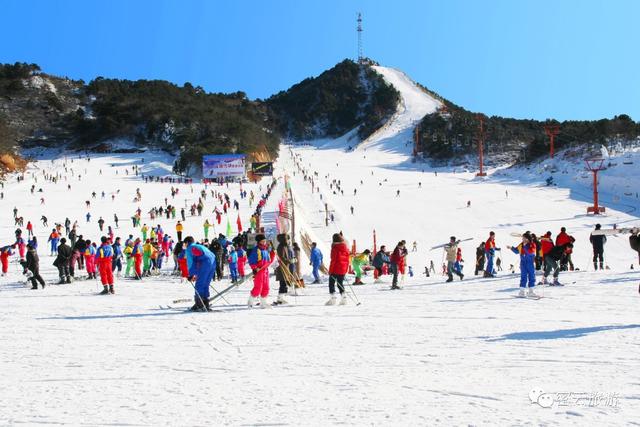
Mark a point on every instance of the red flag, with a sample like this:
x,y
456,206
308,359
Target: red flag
x,y
239,224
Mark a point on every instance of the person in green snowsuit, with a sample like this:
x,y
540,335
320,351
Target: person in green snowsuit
x,y
358,262
146,257
173,212
127,254
206,226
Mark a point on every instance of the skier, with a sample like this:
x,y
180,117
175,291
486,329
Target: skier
x,y
115,220
206,226
233,264
490,252
5,253
89,259
45,222
128,248
527,251
32,264
88,216
283,271
136,253
63,260
479,258
242,260
397,263
562,239
358,263
104,257
29,229
179,228
598,241
634,241
338,268
379,260
201,264
315,262
144,230
117,256
54,238
260,257
451,251
551,262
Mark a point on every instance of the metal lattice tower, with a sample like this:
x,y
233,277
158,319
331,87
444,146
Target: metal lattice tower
x,y
359,29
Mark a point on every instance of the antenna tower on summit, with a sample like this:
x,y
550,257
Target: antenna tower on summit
x,y
359,29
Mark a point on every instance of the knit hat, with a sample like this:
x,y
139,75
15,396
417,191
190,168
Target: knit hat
x,y
260,237
337,238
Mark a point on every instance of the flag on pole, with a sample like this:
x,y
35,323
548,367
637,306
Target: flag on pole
x,y
229,230
239,224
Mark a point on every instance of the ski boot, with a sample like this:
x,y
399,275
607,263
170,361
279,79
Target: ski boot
x,y
105,291
343,300
521,294
111,290
332,301
264,303
531,294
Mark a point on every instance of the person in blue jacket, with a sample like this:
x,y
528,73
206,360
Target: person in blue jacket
x,y
201,263
233,263
316,261
527,252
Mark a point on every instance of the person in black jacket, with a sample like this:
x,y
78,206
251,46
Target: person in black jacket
x,y
32,264
479,258
598,241
218,251
285,260
80,246
634,242
63,260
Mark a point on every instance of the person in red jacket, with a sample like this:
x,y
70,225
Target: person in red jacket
x,y
562,239
5,253
546,244
398,263
340,260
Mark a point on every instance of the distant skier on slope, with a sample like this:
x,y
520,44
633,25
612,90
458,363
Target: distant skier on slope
x,y
451,251
598,241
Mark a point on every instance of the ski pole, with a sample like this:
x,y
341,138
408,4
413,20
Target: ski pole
x,y
218,294
197,293
354,297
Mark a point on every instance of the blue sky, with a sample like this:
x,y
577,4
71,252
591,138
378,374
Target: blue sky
x,y
567,59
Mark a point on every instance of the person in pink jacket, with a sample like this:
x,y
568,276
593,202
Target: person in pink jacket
x,y
260,258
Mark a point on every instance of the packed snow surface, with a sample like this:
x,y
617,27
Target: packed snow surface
x,y
433,353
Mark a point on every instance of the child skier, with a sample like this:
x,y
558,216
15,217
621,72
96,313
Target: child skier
x,y
233,264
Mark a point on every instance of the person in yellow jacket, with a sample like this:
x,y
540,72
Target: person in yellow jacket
x,y
152,234
206,226
358,262
127,256
147,250
179,228
144,230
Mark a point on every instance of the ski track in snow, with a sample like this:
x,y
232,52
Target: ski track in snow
x,y
431,354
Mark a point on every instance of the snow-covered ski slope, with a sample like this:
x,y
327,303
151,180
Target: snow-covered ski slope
x,y
434,353
396,135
